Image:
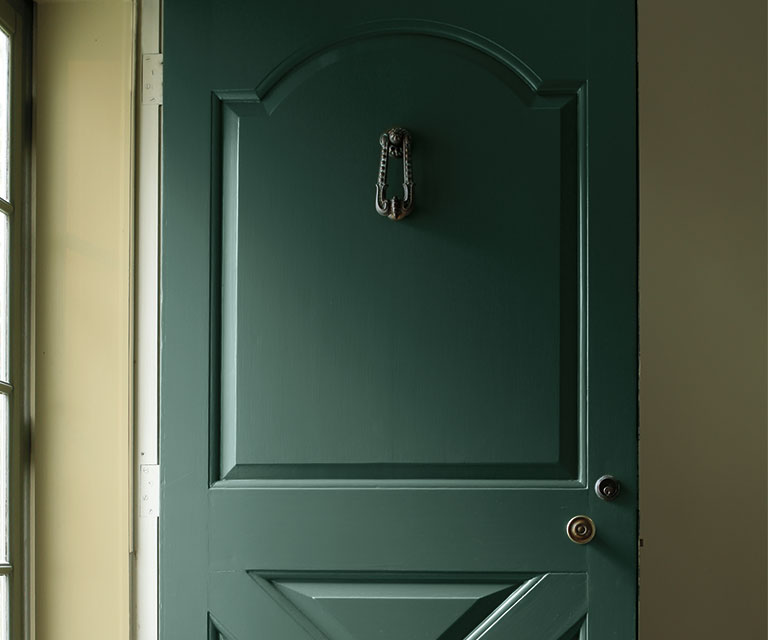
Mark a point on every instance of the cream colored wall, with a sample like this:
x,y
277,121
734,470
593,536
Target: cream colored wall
x,y
703,319
702,316
82,315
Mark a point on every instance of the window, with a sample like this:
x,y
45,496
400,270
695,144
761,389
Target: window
x,y
14,234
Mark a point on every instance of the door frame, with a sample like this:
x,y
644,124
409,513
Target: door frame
x,y
147,156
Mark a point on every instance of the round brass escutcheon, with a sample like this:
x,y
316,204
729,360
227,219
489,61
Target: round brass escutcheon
x,y
580,529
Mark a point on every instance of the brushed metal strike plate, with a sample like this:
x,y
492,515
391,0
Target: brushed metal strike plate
x,y
149,490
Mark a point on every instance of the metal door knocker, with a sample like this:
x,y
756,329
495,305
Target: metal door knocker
x,y
396,143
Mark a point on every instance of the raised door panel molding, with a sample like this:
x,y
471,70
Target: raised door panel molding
x,y
249,605
398,356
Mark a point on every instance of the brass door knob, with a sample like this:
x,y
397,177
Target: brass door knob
x,y
580,529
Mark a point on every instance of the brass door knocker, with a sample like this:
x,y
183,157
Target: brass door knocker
x,y
396,143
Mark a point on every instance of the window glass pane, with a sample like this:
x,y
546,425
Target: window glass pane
x,y
5,631
3,479
4,295
5,123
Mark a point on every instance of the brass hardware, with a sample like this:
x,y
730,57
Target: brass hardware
x,y
607,488
580,529
395,143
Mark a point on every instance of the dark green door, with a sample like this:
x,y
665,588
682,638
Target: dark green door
x,y
377,429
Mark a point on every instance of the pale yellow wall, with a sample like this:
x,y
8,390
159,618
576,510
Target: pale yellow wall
x,y
703,319
82,314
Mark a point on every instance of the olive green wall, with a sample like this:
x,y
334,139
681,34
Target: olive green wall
x,y
703,320
82,314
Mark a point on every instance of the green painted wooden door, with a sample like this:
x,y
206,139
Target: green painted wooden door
x,y
376,429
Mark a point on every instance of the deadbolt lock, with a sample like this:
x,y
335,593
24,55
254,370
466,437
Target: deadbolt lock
x,y
580,529
607,488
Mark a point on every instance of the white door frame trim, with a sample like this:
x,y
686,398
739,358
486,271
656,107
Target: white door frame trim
x,y
146,318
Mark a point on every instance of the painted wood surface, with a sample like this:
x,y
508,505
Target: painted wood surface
x,y
377,428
